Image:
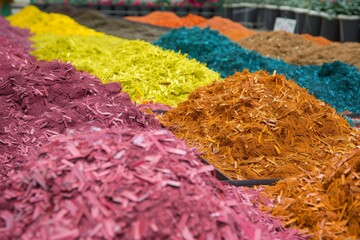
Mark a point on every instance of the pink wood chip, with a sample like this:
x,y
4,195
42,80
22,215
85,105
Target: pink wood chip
x,y
99,196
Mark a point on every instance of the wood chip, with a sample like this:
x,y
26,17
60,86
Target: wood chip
x,y
183,200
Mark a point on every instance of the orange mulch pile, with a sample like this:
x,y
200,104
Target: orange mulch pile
x,y
324,204
168,19
231,29
318,40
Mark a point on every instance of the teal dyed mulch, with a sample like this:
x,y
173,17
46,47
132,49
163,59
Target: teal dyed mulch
x,y
337,83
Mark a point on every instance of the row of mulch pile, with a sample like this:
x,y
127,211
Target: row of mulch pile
x,y
86,163
113,59
335,216
307,204
155,24
234,30
291,48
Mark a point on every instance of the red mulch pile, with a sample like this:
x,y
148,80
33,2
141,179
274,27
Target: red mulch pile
x,y
17,35
121,184
43,99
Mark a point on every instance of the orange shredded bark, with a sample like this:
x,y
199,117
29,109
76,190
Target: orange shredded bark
x,y
191,20
256,125
324,204
231,29
318,40
168,19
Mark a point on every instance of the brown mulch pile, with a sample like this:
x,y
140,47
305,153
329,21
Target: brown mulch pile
x,y
294,49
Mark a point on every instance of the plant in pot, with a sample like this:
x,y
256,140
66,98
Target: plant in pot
x,y
349,21
171,6
79,3
195,5
246,13
261,14
105,6
143,7
272,11
163,5
330,27
236,10
296,10
210,8
313,18
119,7
182,8
132,9
236,3
93,5
286,9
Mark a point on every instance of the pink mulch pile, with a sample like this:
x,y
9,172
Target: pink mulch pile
x,y
40,99
118,183
17,35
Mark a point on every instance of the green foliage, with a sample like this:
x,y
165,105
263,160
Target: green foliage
x,y
335,7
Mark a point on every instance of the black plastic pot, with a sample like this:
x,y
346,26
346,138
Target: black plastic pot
x,y
120,10
261,16
330,28
246,14
228,12
194,10
252,182
81,6
207,12
287,12
223,178
241,183
144,10
349,28
271,13
94,6
133,10
312,24
300,16
106,9
182,11
219,175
